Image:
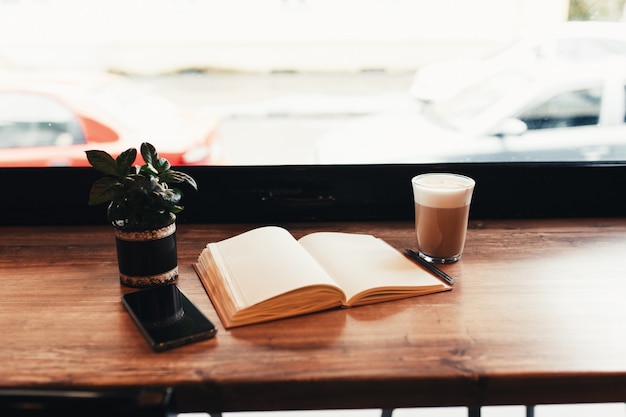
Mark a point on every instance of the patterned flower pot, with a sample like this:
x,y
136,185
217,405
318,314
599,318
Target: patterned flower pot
x,y
147,258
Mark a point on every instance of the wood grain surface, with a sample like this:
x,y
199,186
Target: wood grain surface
x,y
538,315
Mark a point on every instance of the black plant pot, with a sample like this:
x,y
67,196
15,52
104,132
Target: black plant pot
x,y
147,258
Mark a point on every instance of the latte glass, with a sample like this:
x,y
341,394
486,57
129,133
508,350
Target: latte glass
x,y
442,204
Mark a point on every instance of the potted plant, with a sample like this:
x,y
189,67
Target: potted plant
x,y
142,208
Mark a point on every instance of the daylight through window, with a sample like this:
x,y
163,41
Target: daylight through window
x,y
291,82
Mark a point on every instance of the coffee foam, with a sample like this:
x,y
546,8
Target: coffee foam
x,y
442,190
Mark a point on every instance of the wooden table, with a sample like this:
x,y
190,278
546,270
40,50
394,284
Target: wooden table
x,y
538,315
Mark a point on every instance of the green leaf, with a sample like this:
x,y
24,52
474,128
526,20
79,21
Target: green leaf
x,y
149,154
170,196
103,190
147,170
124,162
102,161
176,209
138,184
178,177
162,165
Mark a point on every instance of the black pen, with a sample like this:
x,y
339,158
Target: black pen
x,y
432,268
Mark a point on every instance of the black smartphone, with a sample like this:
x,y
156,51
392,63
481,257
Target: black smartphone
x,y
167,318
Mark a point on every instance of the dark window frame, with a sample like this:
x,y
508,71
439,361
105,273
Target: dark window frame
x,y
270,194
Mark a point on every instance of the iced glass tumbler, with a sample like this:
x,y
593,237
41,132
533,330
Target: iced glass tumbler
x,y
442,204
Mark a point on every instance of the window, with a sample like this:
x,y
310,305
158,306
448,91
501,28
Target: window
x,y
624,108
303,98
301,81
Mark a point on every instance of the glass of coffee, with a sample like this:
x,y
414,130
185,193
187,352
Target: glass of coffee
x,y
442,203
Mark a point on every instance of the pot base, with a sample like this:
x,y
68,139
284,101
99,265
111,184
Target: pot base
x,y
150,280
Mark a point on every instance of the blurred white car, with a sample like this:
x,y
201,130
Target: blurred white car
x,y
571,42
547,112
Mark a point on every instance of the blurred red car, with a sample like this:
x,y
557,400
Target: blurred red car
x,y
50,120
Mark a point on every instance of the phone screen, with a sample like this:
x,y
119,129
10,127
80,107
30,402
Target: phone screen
x,y
167,318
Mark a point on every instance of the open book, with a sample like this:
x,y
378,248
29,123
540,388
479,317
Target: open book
x,y
266,274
